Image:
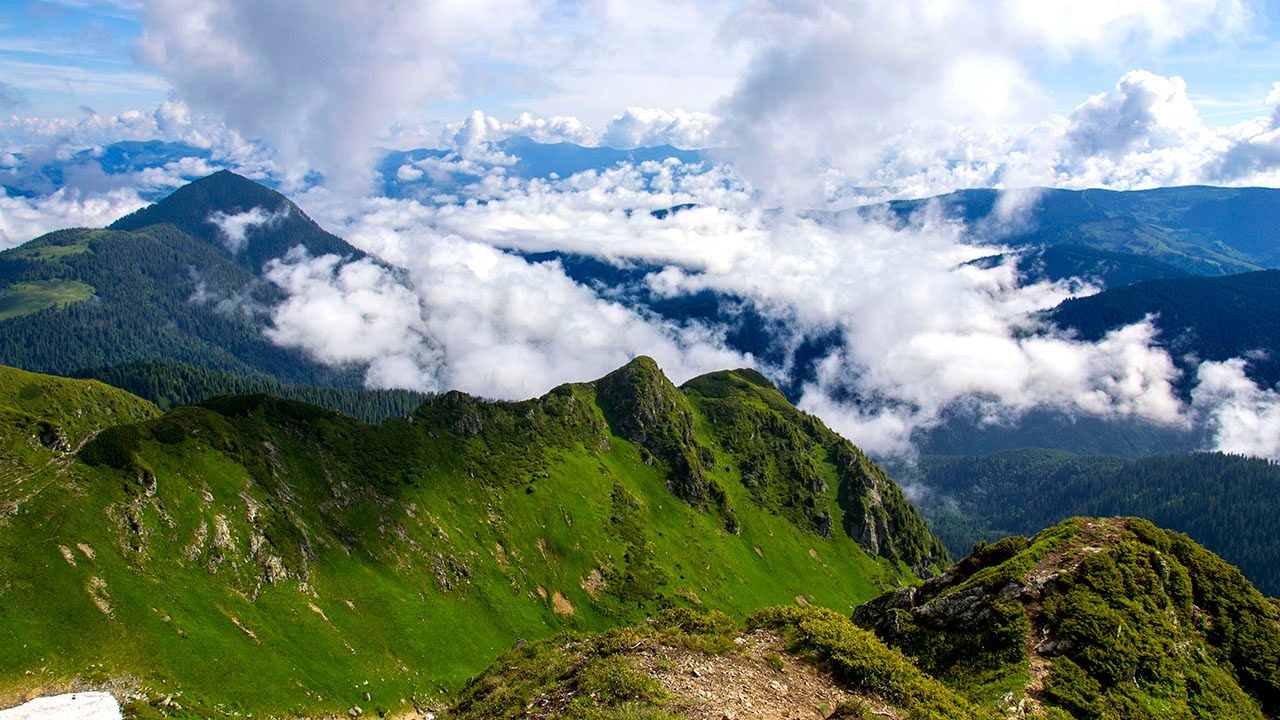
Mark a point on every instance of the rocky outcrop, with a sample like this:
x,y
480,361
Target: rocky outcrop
x,y
642,406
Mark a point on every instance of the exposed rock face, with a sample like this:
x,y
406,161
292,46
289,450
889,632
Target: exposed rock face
x,y
54,438
642,406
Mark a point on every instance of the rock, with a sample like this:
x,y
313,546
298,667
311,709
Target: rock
x,y
355,711
54,438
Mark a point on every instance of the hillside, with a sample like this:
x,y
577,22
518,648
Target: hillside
x,y
1229,504
1202,318
164,283
1092,619
170,384
1199,230
263,556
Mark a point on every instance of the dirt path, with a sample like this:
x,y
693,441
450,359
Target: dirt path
x,y
758,683
1094,536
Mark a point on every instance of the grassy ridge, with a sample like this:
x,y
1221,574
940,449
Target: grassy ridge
x,y
264,556
28,297
1110,618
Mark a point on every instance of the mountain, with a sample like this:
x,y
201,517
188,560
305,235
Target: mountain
x,y
171,384
1092,619
1199,230
165,283
264,556
195,208
1111,618
1054,263
1228,503
1199,318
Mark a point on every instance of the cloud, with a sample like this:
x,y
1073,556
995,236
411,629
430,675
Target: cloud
x,y
234,228
1244,418
1146,110
831,83
647,127
355,312
22,219
480,129
321,84
916,328
10,97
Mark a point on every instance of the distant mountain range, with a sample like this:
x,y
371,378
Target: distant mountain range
x,y
1198,230
223,546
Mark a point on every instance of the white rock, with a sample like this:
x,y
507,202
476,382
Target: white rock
x,y
74,706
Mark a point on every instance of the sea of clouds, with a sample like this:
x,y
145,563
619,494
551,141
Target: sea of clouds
x,y
835,104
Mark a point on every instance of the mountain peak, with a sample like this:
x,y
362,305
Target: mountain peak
x,y
1093,615
644,407
249,221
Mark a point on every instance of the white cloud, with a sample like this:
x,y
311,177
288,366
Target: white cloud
x,y
234,228
22,219
647,127
356,312
1244,418
321,83
1146,111
833,86
917,327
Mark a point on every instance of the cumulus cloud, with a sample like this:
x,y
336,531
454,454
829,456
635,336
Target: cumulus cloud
x,y
831,82
1244,418
355,312
647,127
1146,110
22,219
480,129
234,228
321,84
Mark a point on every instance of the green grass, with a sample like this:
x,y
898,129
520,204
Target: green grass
x,y
25,298
51,252
408,554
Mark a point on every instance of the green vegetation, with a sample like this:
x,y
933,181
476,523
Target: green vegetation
x,y
786,457
1210,318
580,676
862,661
1228,503
1117,618
164,287
25,298
264,556
1200,230
170,384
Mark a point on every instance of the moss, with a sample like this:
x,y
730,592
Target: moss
x,y
861,660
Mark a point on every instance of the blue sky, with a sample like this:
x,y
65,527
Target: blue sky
x,y
61,56
811,103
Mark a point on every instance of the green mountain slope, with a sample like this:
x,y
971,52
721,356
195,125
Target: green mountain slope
x,y
170,384
264,556
1200,230
191,209
162,284
1205,318
1092,619
1230,504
